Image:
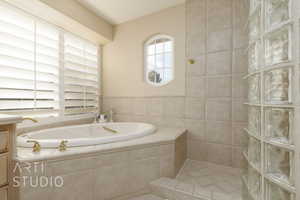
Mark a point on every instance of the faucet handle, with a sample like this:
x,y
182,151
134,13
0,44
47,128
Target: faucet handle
x,y
36,145
63,145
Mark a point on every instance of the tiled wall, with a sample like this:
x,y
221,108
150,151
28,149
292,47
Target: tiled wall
x,y
212,109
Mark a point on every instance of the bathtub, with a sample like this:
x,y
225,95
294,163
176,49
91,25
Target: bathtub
x,y
86,135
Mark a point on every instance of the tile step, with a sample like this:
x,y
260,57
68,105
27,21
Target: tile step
x,y
173,189
147,197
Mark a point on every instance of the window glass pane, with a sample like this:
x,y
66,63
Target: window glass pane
x,y
151,49
159,48
168,46
168,60
159,60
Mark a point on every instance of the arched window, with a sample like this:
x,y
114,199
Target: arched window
x,y
159,60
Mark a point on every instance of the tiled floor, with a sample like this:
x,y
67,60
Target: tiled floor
x,y
207,179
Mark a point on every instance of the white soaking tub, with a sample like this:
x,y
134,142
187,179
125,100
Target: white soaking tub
x,y
86,135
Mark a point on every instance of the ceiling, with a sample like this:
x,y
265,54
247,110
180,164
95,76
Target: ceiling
x,y
119,11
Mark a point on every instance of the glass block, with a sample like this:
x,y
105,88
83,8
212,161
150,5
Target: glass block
x,y
254,152
253,56
245,194
278,125
254,120
254,89
278,46
278,86
254,183
274,192
3,141
277,12
254,4
280,164
254,26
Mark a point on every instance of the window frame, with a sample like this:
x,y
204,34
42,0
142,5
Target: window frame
x,y
145,49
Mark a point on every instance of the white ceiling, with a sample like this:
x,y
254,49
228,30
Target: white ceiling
x,y
119,11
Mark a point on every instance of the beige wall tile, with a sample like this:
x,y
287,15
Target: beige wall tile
x,y
219,63
79,184
112,181
219,14
142,172
218,132
240,38
173,107
219,87
220,40
198,68
238,134
239,111
219,154
196,45
195,86
195,108
196,129
155,107
239,87
197,150
240,62
218,110
144,153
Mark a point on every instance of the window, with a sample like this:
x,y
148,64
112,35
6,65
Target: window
x,y
44,70
159,56
80,75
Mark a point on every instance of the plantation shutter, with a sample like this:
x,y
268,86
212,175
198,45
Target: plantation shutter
x,y
29,65
81,85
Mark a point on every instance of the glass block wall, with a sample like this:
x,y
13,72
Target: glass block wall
x,y
272,151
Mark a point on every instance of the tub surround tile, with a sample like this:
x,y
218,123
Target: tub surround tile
x,y
162,136
115,173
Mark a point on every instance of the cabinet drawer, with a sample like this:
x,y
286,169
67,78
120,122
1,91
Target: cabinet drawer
x,y
3,169
3,194
3,141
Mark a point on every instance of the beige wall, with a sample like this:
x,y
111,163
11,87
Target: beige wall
x,y
123,67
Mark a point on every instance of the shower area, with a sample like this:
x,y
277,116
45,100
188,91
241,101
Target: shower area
x,y
265,33
272,155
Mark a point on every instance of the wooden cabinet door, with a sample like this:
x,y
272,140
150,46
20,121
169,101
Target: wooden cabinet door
x,y
3,169
3,141
3,194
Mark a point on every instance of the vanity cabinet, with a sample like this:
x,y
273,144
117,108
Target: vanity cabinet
x,y
7,151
